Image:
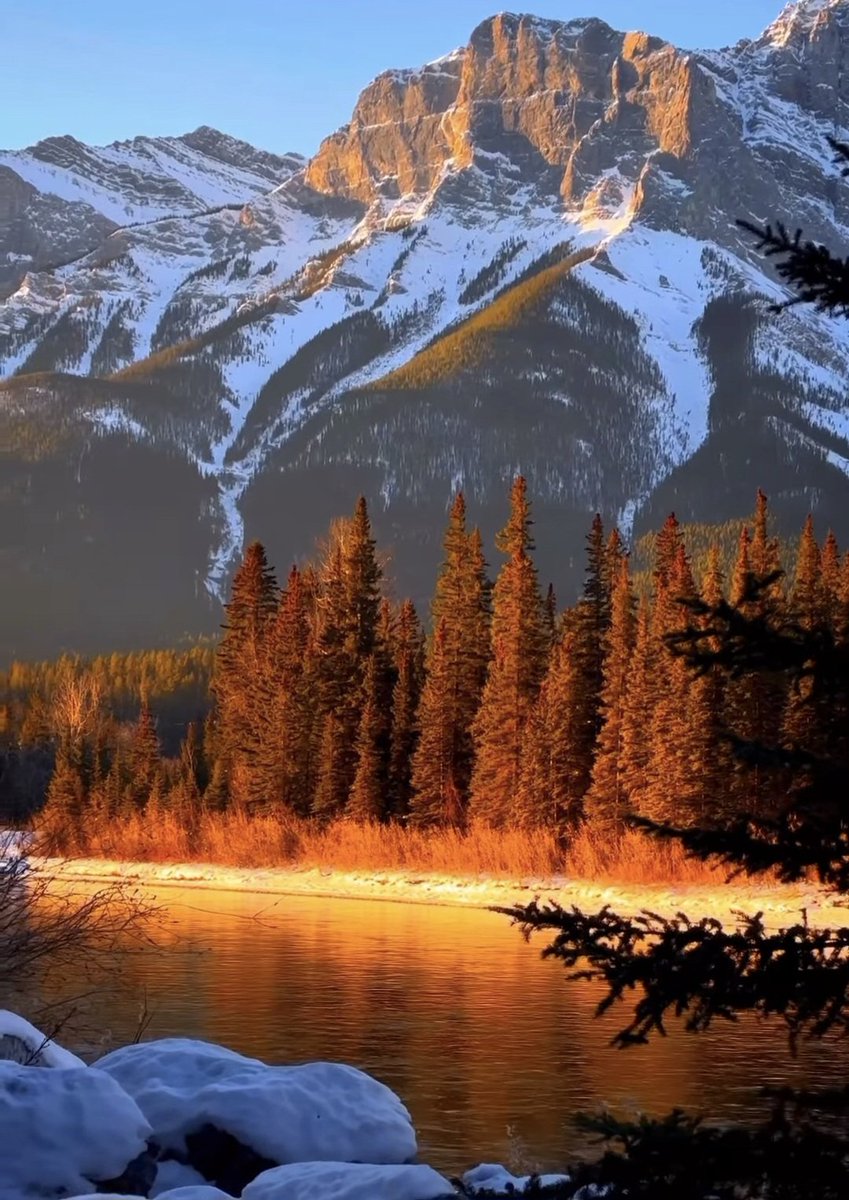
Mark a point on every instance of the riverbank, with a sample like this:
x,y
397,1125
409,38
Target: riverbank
x,y
780,904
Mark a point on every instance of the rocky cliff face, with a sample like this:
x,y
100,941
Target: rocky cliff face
x,y
522,255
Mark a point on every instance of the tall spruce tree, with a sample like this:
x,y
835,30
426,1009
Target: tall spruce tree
x,y
240,671
348,609
807,725
145,757
369,792
590,623
665,794
520,651
453,687
755,700
830,577
408,658
636,712
708,796
553,771
607,801
765,558
289,702
436,798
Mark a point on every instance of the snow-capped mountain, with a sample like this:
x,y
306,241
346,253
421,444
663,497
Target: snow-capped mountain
x,y
520,256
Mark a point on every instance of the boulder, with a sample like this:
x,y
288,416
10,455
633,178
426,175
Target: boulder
x,y
491,1179
349,1181
22,1043
65,1131
194,1093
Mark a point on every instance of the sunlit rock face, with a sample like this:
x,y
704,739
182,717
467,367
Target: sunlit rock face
x,y
523,255
530,91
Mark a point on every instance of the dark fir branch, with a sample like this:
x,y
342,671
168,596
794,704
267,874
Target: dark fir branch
x,y
810,269
698,971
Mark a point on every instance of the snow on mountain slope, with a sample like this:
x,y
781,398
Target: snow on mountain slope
x,y
521,256
147,179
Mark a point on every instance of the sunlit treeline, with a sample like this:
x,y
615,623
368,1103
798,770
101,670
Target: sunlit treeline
x,y
329,701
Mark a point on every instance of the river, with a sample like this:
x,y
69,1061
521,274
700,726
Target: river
x,y
488,1045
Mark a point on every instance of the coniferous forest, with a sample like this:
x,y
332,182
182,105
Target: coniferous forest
x,y
325,699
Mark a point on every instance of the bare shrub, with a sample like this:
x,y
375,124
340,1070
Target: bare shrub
x,y
53,932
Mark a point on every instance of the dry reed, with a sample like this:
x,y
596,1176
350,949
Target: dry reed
x,y
236,839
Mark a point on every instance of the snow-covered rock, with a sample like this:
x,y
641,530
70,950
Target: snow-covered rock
x,y
348,1181
22,1043
171,1175
316,1112
492,1177
63,1131
194,1192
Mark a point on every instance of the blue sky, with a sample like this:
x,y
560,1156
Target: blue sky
x,y
279,73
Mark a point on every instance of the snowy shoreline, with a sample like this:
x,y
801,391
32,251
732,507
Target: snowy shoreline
x,y
182,1119
780,905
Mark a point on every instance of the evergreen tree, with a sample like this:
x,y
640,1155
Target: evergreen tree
x,y
806,599
765,556
192,775
461,608
436,798
241,670
289,707
145,757
741,584
116,802
368,799
590,626
636,713
754,701
666,549
830,568
346,633
553,776
408,655
664,796
520,648
66,796
362,576
597,577
808,714
708,796
607,801
334,774
537,805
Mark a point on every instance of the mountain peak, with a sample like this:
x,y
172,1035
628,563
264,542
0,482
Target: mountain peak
x,y
802,19
543,27
518,100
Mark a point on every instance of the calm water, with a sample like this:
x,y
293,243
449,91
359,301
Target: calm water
x,y
489,1047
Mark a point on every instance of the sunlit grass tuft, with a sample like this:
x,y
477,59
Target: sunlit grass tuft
x,y
236,839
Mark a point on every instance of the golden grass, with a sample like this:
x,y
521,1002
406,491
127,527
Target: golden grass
x,y
235,839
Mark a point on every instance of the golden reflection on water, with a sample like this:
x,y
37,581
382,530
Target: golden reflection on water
x,y
489,1047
